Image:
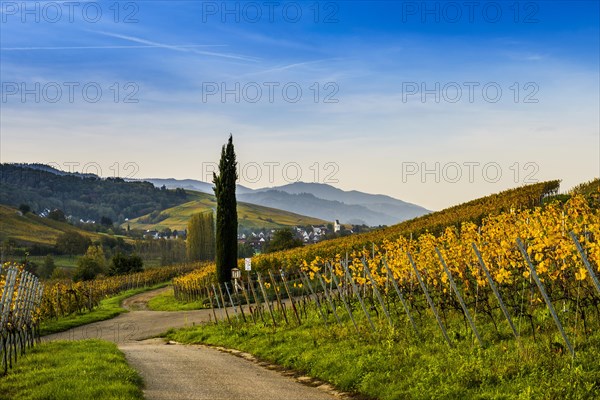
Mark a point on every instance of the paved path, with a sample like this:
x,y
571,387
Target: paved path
x,y
172,371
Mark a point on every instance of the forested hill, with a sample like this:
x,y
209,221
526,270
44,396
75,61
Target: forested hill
x,y
83,197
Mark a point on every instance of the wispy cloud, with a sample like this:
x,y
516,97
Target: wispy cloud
x,y
285,67
525,56
290,66
102,47
180,48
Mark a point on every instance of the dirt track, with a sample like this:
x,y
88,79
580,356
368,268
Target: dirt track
x,y
172,371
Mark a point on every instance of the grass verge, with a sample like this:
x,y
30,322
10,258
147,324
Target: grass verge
x,y
108,308
86,369
395,364
167,302
60,261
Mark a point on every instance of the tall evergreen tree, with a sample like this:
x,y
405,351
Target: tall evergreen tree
x,y
227,221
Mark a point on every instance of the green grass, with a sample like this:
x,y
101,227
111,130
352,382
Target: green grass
x,y
108,308
395,364
61,261
249,215
71,262
153,262
166,302
87,369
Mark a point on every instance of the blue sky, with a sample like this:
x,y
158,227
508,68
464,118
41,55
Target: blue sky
x,y
362,120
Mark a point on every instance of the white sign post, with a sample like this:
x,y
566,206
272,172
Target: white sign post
x,y
248,264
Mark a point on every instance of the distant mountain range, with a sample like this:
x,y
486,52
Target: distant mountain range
x,y
189,184
317,200
89,197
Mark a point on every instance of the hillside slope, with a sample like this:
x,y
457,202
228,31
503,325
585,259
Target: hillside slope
x,y
317,200
308,204
393,209
83,197
250,216
30,229
472,211
189,184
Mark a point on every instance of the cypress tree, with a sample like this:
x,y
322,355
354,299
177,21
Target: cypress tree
x,y
227,221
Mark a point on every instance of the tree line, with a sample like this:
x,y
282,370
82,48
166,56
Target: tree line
x,y
83,197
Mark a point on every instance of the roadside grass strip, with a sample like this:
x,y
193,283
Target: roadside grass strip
x,y
86,369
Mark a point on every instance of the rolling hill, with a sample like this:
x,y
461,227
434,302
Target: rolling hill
x,y
188,184
475,211
308,204
29,229
328,202
317,200
86,197
250,216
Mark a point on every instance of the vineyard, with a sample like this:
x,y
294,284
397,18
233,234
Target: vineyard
x,y
19,312
187,288
62,298
523,272
25,302
511,266
474,211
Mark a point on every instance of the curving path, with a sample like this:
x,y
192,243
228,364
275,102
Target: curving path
x,y
173,371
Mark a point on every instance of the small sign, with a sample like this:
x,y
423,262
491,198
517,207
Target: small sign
x,y
248,264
